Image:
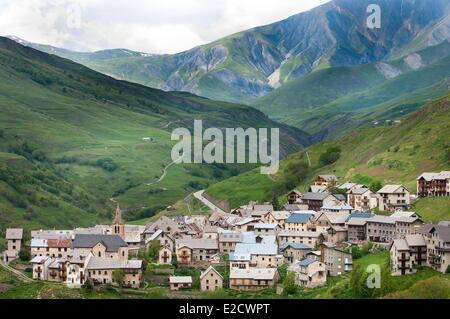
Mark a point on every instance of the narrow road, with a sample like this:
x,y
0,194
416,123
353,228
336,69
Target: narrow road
x,y
214,208
165,171
18,274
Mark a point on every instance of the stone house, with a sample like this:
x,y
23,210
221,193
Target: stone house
x,y
316,201
294,251
180,282
407,253
278,217
101,246
325,180
14,238
337,261
309,273
211,280
362,199
300,221
310,238
228,241
294,197
392,197
253,279
196,251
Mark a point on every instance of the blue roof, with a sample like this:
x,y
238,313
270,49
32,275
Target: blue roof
x,y
295,246
359,215
299,218
306,262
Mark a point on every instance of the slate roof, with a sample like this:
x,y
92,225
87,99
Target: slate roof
x,y
281,215
444,232
197,243
315,196
292,233
389,189
291,207
180,280
265,226
337,207
210,268
358,191
112,263
329,178
297,246
39,243
254,273
360,215
230,237
381,219
317,189
111,242
401,244
14,233
415,240
306,262
256,249
300,217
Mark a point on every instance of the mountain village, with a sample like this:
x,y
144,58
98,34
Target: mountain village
x,y
312,236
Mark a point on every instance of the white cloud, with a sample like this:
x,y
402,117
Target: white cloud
x,y
145,25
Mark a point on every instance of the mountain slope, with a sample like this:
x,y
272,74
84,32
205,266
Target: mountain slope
x,y
77,138
250,64
396,154
339,98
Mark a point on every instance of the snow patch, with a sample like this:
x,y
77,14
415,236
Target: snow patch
x,y
414,61
274,79
387,70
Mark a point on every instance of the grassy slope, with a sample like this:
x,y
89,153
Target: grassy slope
x,y
62,109
396,154
340,98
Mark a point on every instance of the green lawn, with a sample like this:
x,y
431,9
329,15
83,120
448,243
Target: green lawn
x,y
433,209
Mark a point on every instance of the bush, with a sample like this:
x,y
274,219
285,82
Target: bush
x,y
331,155
290,287
375,186
118,276
24,254
107,164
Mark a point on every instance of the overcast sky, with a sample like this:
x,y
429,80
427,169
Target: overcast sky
x,y
154,26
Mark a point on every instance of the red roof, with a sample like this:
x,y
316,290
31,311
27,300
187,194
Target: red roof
x,y
57,243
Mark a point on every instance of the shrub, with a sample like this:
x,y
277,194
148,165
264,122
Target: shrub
x,y
118,276
375,186
107,164
331,155
290,287
24,254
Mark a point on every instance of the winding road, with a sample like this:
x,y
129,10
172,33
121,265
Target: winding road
x,y
210,205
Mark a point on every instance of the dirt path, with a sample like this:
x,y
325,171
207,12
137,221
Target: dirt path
x,y
165,171
18,274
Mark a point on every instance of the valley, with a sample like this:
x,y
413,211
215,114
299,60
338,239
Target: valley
x,y
78,138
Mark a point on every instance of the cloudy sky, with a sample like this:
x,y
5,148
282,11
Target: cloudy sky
x,y
155,26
